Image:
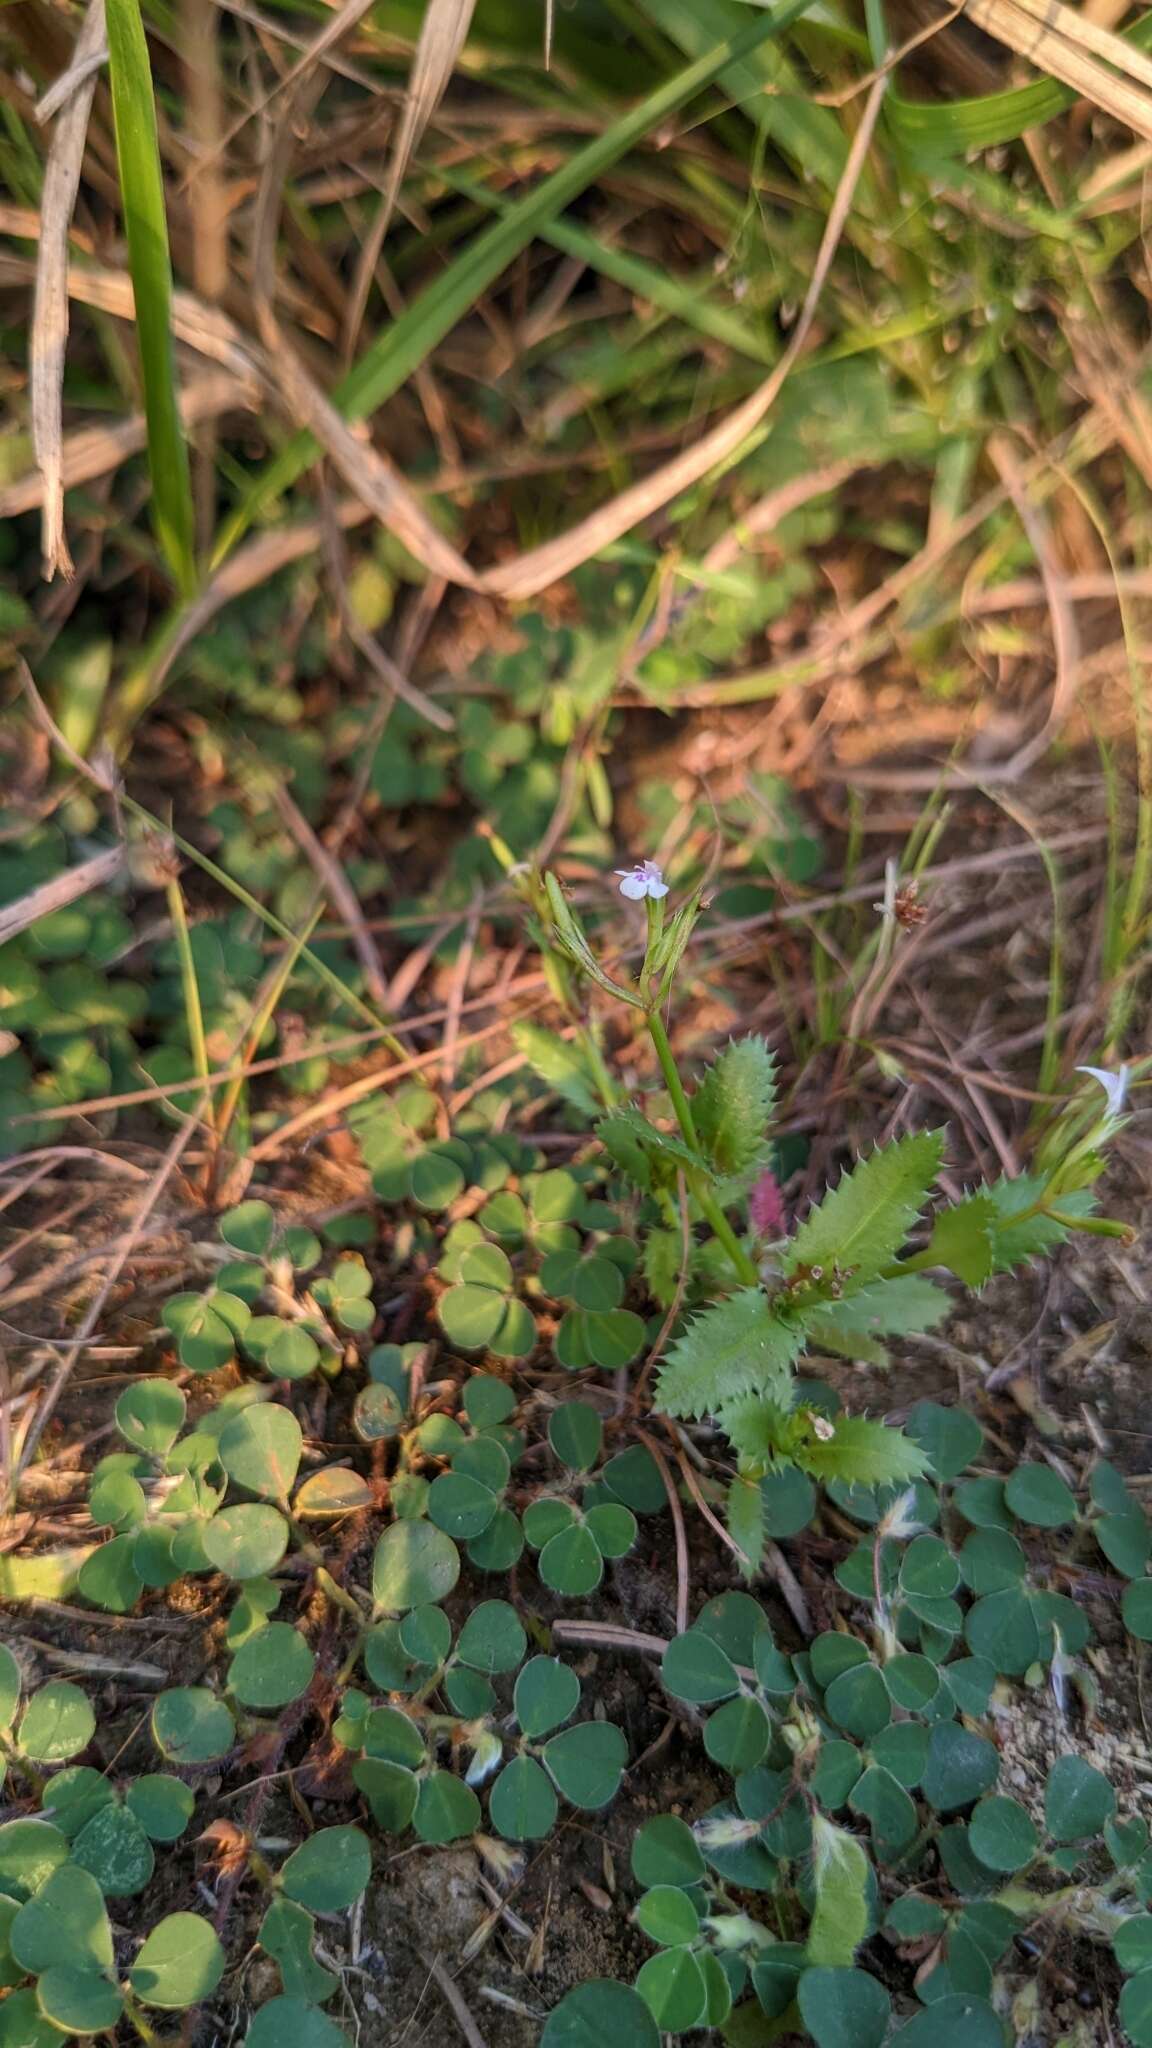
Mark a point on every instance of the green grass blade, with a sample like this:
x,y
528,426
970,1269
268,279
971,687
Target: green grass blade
x,y
810,135
683,298
407,342
931,130
146,228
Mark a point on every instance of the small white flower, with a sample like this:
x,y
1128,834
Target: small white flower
x,y
1115,1086
645,879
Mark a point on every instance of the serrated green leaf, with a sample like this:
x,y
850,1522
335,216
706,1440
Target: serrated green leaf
x,y
733,1105
964,1239
738,1347
861,1224
864,1453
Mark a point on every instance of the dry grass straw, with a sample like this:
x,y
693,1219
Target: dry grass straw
x,y
74,93
1101,66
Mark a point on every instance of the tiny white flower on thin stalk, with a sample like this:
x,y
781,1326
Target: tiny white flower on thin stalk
x,y
1115,1087
645,879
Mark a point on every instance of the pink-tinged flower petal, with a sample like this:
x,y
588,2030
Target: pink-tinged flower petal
x,y
766,1206
633,886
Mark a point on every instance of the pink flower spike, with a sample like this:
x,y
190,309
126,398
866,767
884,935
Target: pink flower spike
x,y
766,1206
645,879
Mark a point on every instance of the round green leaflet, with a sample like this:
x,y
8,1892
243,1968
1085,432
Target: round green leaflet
x,y
292,1354
426,1635
470,1315
949,1437
293,2023
272,1668
992,1561
1135,2009
890,1813
1125,1539
960,1767
832,1653
738,1734
58,1722
205,1336
334,1491
415,1565
598,2012
1003,1834
191,1726
673,1988
162,1805
260,1450
446,1809
389,1733
696,1669
1077,1800
633,1477
587,1762
390,1790
547,1693
73,1796
521,1804
545,1518
79,2001
109,1577
484,1458
1003,1628
286,1934
500,1545
117,1501
571,1562
378,1413
492,1639
612,1529
597,1284
576,1433
915,1684
469,1693
929,1569
843,2008
249,1228
10,1970
115,1848
180,1963
150,1414
247,1541
1136,1608
1132,1943
460,1506
23,2025
67,1917
858,1701
788,1501
487,1400
329,1871
665,1851
958,2021
30,1850
668,1916
1038,1495
11,1684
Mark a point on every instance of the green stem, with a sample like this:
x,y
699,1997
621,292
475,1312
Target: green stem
x,y
193,1014
672,1079
709,1206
